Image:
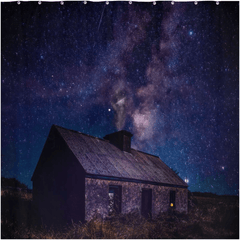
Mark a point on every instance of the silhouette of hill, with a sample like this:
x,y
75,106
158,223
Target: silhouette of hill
x,y
12,183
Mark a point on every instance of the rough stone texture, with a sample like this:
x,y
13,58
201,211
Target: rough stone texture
x,y
96,197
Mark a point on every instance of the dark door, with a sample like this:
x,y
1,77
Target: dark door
x,y
147,203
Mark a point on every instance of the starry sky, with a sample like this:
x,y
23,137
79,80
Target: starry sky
x,y
168,73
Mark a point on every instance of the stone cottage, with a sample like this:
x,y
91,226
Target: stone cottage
x,y
78,176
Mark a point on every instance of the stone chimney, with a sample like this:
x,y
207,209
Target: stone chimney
x,y
121,139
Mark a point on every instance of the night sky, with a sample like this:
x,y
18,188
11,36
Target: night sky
x,y
168,73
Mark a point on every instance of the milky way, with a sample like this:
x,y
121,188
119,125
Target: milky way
x,y
167,73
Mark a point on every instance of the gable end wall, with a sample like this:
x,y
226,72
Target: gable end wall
x,y
58,183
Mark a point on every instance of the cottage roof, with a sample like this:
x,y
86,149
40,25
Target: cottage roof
x,y
99,158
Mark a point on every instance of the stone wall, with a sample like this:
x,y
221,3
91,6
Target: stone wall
x,y
96,197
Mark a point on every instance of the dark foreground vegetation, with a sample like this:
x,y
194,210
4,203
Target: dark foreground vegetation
x,y
12,183
210,216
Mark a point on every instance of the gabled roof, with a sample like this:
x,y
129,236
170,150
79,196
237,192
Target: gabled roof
x,y
99,158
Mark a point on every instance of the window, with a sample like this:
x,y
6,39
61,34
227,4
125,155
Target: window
x,y
172,199
146,208
115,199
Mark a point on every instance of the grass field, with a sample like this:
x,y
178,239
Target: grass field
x,y
208,217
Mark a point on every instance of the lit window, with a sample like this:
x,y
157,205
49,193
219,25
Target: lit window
x,y
172,199
111,202
115,199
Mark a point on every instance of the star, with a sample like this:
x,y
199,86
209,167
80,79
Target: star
x,y
190,32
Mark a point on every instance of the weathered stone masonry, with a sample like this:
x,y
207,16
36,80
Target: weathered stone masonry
x,y
96,197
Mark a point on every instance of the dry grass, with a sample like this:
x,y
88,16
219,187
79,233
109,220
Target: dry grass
x,y
207,218
22,195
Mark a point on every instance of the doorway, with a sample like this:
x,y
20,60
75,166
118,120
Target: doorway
x,y
146,203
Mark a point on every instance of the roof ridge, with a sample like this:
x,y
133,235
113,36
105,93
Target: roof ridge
x,y
101,139
75,131
145,153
